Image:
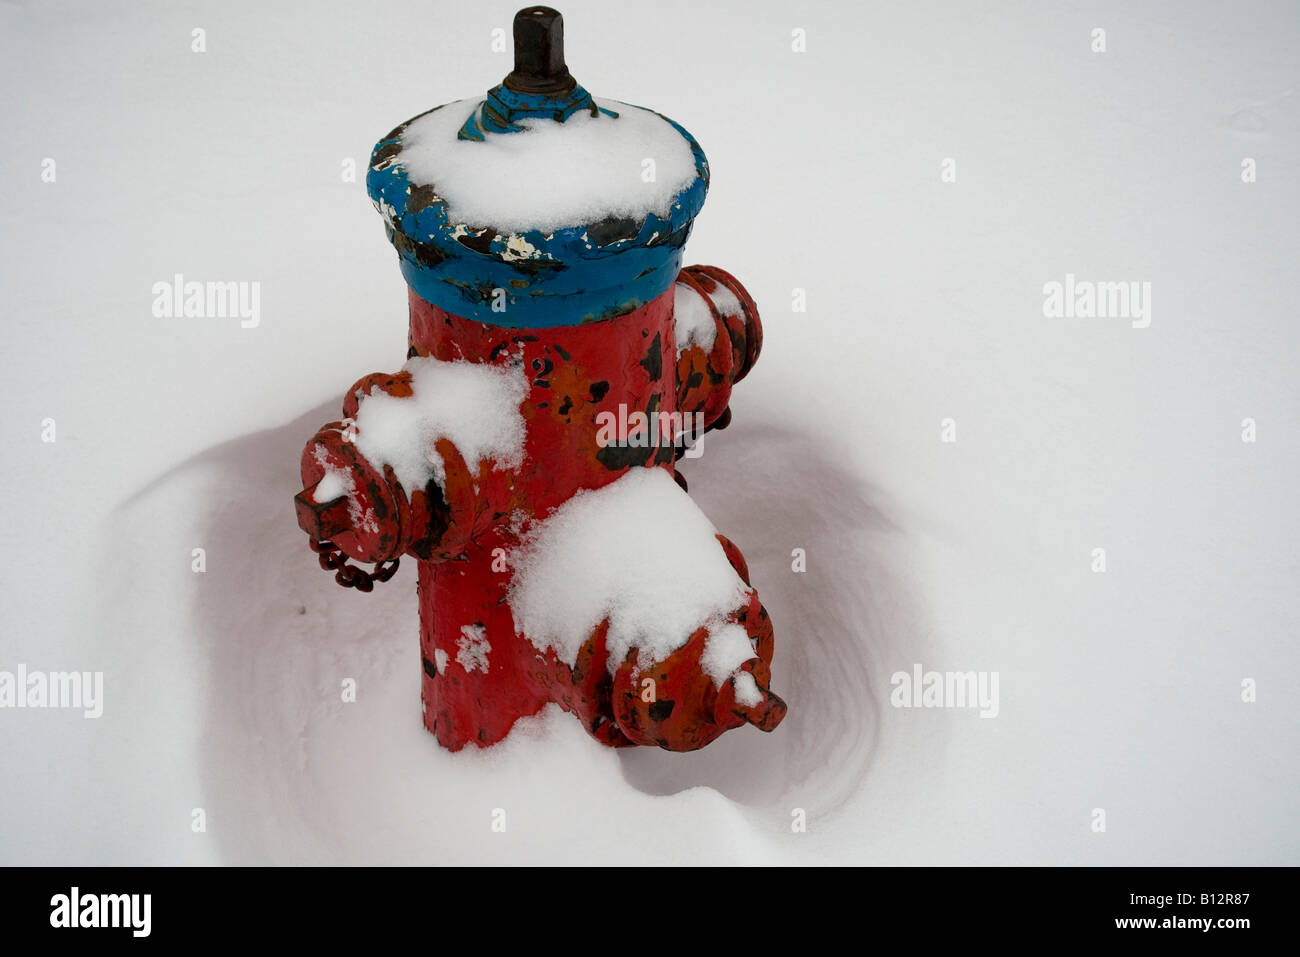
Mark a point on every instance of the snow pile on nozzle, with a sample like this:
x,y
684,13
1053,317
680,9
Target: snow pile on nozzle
x,y
692,319
475,406
640,553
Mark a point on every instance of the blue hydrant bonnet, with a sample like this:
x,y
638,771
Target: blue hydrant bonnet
x,y
538,205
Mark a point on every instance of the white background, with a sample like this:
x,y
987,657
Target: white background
x,y
1119,691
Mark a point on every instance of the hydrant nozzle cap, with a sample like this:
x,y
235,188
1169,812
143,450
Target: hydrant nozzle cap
x,y
539,53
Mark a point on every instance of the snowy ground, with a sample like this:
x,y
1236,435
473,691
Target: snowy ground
x,y
1119,691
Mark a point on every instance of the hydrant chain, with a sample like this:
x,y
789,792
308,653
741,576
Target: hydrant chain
x,y
352,576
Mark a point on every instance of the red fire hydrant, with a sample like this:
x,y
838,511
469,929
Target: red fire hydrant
x,y
561,361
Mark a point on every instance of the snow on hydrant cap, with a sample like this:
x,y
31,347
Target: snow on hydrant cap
x,y
538,205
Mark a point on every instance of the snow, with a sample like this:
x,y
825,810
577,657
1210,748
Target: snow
x,y
639,552
747,692
551,175
333,485
474,405
1118,690
473,648
692,319
727,648
726,301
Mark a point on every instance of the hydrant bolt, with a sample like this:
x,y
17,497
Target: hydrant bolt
x,y
539,53
321,520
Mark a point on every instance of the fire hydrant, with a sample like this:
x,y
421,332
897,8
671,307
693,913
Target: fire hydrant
x,y
561,362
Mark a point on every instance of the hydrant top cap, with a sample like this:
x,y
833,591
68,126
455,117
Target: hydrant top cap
x,y
538,191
